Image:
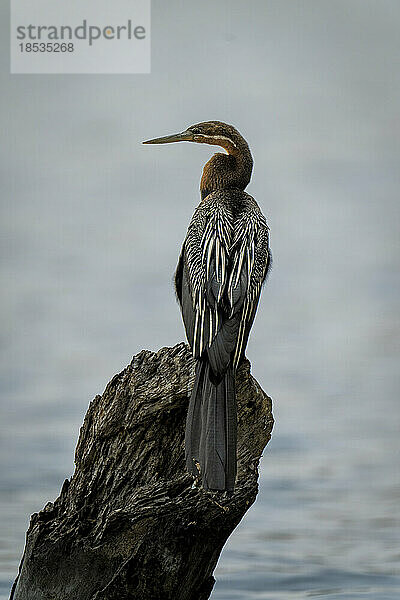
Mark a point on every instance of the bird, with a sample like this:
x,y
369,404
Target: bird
x,y
222,267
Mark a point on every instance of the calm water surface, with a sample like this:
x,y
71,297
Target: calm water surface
x,y
91,227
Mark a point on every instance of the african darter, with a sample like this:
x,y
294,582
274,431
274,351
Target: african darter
x,y
223,263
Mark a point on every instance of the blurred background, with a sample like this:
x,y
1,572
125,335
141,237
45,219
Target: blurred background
x,y
91,228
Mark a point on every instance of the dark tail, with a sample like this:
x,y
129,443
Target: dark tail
x,y
210,438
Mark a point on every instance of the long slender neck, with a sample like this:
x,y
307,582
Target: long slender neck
x,y
227,171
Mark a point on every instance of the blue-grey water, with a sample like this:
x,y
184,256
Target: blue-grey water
x,y
91,226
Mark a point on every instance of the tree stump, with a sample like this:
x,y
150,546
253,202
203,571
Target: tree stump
x,y
131,524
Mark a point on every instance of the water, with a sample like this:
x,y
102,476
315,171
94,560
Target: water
x,y
91,227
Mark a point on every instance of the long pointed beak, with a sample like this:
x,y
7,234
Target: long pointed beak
x,y
185,136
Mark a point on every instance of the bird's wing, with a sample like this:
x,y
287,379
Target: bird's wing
x,y
219,278
250,258
202,275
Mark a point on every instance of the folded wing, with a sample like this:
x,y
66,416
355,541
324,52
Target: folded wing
x,y
223,264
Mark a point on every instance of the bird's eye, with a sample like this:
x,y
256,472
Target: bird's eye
x,y
195,130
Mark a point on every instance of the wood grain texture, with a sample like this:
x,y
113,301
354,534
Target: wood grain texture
x,y
130,524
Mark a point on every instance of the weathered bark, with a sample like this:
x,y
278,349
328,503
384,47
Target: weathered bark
x,y
130,524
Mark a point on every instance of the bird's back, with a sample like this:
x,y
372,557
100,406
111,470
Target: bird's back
x,y
224,261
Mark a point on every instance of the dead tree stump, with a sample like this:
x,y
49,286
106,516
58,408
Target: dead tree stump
x,y
130,524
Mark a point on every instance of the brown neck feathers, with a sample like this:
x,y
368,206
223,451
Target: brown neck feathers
x,y
227,171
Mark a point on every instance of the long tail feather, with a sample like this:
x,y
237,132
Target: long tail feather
x,y
211,429
231,429
193,421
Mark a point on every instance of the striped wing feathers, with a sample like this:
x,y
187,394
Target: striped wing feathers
x,y
206,257
226,261
250,256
